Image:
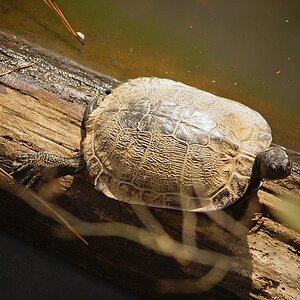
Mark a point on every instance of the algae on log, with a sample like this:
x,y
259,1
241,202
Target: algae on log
x,y
41,108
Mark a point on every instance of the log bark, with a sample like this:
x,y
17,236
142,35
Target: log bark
x,y
41,108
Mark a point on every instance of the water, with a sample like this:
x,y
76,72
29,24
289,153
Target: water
x,y
248,51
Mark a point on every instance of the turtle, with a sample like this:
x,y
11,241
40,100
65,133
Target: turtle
x,y
161,143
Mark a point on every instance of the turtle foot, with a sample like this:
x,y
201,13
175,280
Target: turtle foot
x,y
31,169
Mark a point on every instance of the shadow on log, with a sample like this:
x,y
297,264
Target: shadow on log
x,y
41,108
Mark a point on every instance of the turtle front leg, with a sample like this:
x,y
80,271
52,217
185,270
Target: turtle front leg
x,y
31,168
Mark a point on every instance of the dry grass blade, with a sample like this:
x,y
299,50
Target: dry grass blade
x,y
236,228
5,175
189,225
160,243
7,182
150,222
15,69
78,35
189,232
202,284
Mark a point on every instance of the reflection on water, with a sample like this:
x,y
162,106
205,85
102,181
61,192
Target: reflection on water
x,y
245,50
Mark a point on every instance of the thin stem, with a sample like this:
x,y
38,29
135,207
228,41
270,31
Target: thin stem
x,y
63,19
15,69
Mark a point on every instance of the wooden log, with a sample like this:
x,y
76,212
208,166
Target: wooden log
x,y
41,108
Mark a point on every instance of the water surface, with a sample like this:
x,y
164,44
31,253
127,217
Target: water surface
x,y
248,51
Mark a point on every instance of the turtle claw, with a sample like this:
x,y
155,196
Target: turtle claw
x,y
29,179
33,180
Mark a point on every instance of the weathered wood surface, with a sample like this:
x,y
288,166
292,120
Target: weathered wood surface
x,y
41,108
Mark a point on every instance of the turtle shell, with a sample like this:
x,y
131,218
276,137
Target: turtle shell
x,y
165,144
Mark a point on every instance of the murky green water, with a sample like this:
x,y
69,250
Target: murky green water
x,y
244,50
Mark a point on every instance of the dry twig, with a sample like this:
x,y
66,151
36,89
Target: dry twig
x,y
15,69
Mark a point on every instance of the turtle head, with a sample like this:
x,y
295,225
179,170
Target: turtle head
x,y
273,163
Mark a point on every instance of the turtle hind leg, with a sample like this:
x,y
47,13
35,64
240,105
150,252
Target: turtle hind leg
x,y
32,168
